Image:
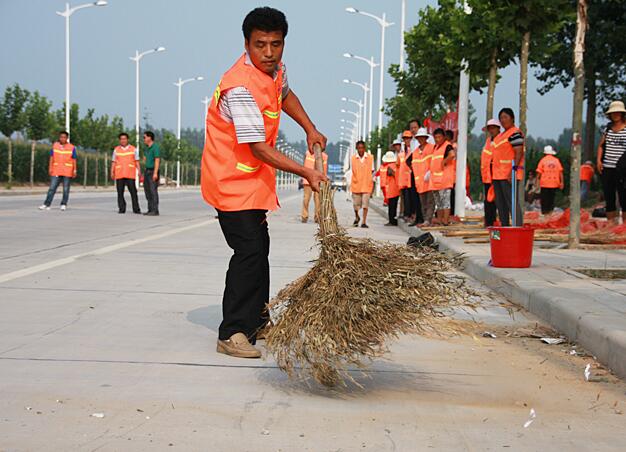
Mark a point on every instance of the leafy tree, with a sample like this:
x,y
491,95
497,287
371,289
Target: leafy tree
x,y
12,119
40,123
75,138
605,78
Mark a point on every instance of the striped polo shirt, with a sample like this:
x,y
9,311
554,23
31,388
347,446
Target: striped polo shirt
x,y
238,106
614,147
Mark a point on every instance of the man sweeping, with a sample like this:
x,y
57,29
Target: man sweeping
x,y
238,171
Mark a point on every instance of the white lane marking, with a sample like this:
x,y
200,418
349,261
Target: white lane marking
x,y
107,249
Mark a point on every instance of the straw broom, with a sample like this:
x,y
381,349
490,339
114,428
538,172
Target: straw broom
x,y
359,294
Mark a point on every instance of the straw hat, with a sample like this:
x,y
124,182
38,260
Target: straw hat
x,y
422,132
616,106
389,157
549,150
397,141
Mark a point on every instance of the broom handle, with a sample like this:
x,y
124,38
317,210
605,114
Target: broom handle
x,y
319,160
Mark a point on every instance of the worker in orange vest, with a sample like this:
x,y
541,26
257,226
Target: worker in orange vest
x,y
507,146
238,171
309,162
362,182
390,169
395,148
420,164
550,174
124,170
62,168
404,175
493,130
442,175
587,171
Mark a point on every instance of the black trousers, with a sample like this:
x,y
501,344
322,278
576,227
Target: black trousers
x,y
490,208
613,182
120,184
547,200
150,188
503,203
247,289
415,200
392,206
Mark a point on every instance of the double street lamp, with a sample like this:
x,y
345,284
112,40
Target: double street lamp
x,y
372,65
180,83
67,14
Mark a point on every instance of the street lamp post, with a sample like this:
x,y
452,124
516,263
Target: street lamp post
x,y
180,84
67,13
137,58
357,116
361,106
402,25
206,101
372,65
365,89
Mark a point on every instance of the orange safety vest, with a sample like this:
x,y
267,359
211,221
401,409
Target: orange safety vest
x,y
232,177
125,166
62,162
586,172
485,161
309,162
362,174
503,155
441,177
550,169
391,183
420,165
404,174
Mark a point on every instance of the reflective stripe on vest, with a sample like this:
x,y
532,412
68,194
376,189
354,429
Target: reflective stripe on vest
x,y
247,169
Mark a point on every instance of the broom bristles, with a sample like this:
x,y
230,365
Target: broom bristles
x,y
358,294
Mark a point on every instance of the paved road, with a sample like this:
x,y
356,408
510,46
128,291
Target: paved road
x,y
104,313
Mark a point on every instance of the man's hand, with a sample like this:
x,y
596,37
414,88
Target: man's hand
x,y
315,178
155,177
599,166
314,136
74,174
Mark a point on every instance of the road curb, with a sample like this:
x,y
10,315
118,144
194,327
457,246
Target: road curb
x,y
566,310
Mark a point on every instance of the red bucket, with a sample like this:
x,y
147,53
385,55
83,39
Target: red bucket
x,y
511,247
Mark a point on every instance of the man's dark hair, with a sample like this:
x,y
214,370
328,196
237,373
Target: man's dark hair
x,y
150,134
64,132
449,134
439,131
123,134
360,142
412,121
264,19
508,111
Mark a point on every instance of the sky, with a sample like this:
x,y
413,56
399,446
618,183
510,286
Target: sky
x,y
203,38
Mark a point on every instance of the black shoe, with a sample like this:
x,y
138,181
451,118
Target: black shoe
x,y
138,212
391,224
364,225
121,211
152,214
356,223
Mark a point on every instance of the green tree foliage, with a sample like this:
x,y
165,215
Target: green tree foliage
x,y
12,119
40,122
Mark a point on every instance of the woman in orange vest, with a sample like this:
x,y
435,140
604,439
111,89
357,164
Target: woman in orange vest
x,y
493,130
442,175
420,164
390,169
238,171
550,174
62,168
587,171
309,162
507,146
362,183
124,170
404,176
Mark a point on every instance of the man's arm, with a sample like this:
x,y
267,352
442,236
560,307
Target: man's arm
x,y
600,152
74,158
272,157
157,162
293,107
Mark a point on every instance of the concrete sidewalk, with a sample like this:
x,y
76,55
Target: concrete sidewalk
x,y
589,311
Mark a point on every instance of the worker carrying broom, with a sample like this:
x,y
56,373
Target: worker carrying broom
x,y
238,171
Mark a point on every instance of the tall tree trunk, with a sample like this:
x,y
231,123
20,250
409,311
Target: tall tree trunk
x,y
590,125
577,124
195,174
523,106
85,173
491,90
96,173
523,81
106,170
10,164
33,143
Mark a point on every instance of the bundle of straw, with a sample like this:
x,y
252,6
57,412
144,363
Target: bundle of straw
x,y
359,294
